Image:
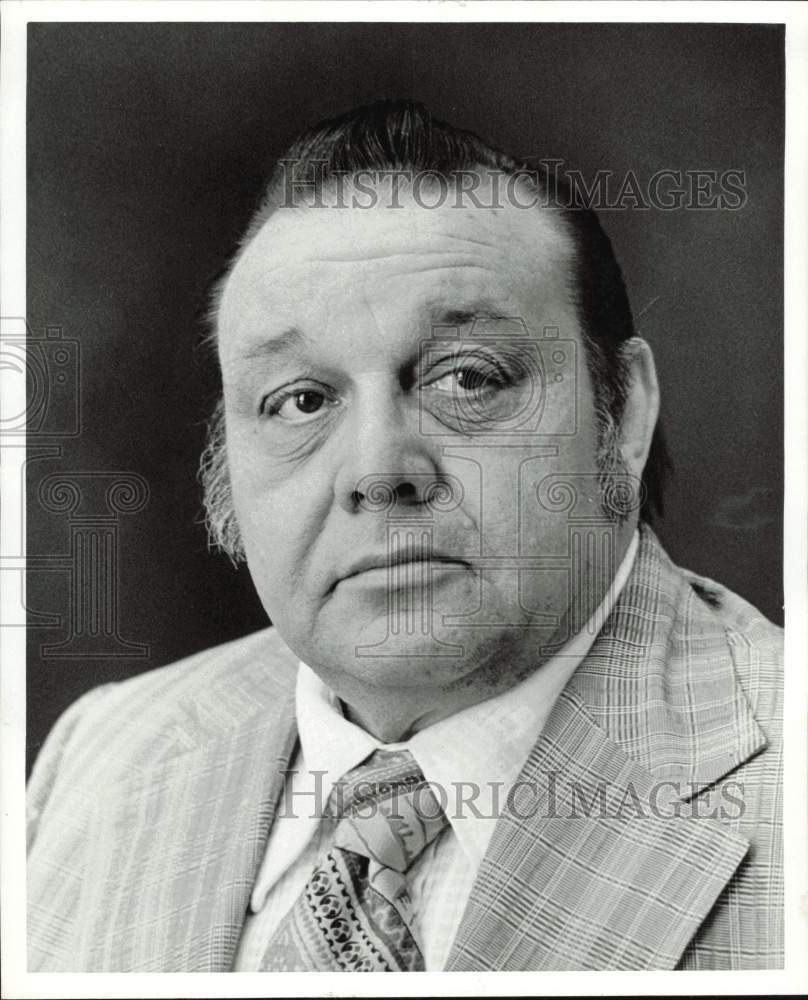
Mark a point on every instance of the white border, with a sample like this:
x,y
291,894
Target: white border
x,y
438,11
794,979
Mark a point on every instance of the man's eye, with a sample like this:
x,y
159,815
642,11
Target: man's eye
x,y
297,406
470,380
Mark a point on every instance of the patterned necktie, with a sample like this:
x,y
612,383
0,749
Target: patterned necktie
x,y
354,913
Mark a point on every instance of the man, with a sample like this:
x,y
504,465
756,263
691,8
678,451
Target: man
x,y
493,726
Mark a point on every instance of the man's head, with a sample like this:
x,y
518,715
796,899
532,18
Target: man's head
x,y
385,335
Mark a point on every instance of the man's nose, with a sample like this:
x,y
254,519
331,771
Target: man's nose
x,y
386,461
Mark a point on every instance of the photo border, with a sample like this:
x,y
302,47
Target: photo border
x,y
17,982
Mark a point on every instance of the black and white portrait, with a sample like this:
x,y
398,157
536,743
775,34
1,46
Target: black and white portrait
x,y
404,464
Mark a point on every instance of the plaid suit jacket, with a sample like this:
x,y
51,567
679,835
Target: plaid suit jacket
x,y
645,832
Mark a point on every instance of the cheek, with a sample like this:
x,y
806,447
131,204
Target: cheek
x,y
271,552
280,515
519,494
262,504
276,558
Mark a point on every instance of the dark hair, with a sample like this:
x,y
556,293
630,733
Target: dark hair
x,y
402,135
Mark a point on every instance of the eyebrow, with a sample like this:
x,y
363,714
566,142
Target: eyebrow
x,y
288,343
483,309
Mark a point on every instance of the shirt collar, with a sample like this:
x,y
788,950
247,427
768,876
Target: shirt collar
x,y
472,757
329,742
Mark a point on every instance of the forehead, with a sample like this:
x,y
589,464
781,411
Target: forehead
x,y
325,264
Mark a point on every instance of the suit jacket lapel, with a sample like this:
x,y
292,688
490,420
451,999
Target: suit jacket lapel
x,y
598,861
178,848
588,869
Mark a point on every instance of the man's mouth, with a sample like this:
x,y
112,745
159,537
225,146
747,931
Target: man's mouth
x,y
401,567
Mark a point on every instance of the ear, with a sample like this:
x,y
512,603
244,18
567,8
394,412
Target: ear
x,y
642,405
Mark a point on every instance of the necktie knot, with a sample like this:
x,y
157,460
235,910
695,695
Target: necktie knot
x,y
388,812
384,775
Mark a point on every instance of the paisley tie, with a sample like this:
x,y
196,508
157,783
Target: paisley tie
x,y
355,913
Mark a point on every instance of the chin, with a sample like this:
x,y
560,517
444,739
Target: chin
x,y
375,656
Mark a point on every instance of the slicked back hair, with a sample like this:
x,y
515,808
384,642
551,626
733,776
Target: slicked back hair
x,y
391,137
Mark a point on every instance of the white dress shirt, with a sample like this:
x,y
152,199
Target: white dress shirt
x,y
481,747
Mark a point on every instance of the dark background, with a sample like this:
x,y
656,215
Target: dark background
x,y
147,145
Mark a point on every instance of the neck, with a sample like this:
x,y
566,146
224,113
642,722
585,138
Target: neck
x,y
408,717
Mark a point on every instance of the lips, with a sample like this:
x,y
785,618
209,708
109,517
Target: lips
x,y
400,557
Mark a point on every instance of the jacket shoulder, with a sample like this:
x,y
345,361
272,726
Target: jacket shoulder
x,y
755,643
119,728
260,660
737,613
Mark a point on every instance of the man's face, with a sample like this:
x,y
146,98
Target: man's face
x,y
367,353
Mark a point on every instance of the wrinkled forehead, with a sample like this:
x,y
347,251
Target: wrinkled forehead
x,y
497,240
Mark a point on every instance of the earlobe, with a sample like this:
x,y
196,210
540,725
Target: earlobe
x,y
642,405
